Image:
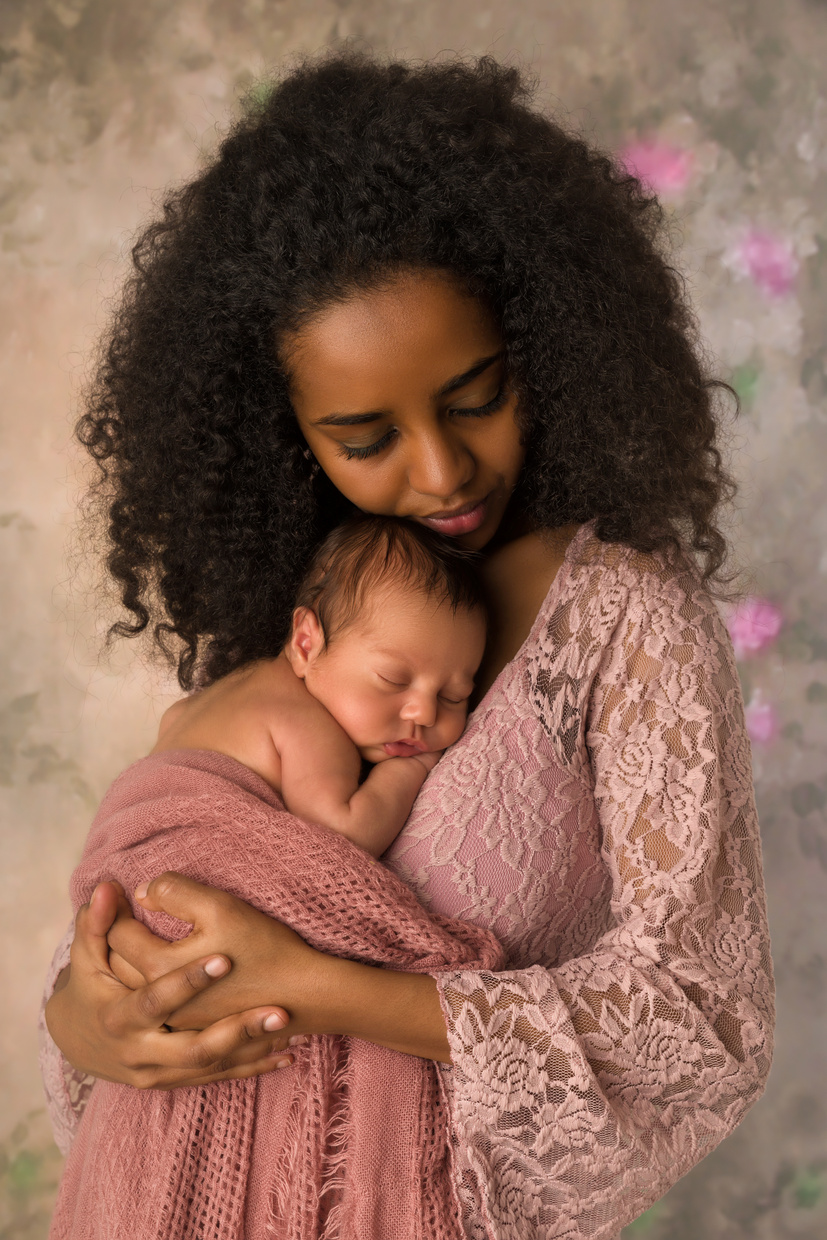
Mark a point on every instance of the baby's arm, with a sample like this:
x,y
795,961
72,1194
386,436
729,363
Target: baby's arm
x,y
320,768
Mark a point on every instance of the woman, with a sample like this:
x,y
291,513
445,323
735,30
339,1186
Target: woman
x,y
404,290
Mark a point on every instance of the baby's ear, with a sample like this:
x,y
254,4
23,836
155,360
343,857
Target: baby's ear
x,y
306,641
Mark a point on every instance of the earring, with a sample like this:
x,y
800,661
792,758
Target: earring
x,y
315,466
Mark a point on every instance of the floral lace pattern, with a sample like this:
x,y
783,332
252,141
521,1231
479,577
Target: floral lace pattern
x,y
598,816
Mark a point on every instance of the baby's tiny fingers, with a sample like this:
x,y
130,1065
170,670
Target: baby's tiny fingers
x,y
429,760
298,1039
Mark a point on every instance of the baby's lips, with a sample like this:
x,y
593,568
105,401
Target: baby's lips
x,y
404,749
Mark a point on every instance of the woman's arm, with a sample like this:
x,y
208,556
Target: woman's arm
x,y
147,1036
107,1030
322,993
582,1092
207,813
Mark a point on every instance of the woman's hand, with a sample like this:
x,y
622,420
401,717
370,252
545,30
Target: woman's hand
x,y
323,994
267,957
109,1031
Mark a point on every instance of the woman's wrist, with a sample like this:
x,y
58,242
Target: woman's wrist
x,y
401,1011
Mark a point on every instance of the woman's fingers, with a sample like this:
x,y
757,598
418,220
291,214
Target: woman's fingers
x,y
143,950
258,1067
124,971
151,1005
238,1046
181,897
104,906
90,948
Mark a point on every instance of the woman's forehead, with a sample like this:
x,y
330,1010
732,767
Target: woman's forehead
x,y
414,329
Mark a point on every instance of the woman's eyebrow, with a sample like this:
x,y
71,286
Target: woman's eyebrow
x,y
453,385
350,419
460,380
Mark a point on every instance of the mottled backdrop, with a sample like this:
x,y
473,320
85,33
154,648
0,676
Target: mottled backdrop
x,y
722,108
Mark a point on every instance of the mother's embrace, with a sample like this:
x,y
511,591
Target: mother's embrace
x,y
402,289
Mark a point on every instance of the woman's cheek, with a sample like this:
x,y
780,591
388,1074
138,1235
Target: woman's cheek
x,y
368,486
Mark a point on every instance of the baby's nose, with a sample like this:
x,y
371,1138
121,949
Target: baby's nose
x,y
421,710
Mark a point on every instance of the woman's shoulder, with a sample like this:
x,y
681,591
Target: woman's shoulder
x,y
608,590
612,609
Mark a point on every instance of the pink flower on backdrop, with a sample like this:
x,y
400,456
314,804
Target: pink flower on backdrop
x,y
665,169
768,260
753,625
761,719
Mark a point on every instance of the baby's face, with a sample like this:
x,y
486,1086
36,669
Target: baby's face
x,y
399,679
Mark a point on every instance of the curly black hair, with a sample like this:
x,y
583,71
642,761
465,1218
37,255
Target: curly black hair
x,y
341,173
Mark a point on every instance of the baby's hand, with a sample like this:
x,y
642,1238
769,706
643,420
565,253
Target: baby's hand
x,y
428,760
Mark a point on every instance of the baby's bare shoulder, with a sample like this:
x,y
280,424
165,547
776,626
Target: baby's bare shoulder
x,y
253,698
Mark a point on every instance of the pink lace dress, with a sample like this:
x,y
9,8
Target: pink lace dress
x,y
598,815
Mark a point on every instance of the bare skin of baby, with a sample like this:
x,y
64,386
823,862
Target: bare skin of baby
x,y
391,688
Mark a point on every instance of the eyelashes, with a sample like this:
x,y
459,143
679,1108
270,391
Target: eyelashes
x,y
362,454
481,411
398,687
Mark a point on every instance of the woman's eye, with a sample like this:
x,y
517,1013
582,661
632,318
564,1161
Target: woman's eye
x,y
480,411
362,454
353,453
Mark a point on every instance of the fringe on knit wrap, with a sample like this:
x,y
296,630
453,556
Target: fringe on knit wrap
x,y
352,1142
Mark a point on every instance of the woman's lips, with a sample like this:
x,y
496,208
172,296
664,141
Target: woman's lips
x,y
404,749
463,521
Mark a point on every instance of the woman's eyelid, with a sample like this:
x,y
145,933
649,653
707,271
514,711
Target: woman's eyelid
x,y
353,452
356,452
491,406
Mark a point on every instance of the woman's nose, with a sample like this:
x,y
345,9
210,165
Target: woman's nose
x,y
440,466
421,710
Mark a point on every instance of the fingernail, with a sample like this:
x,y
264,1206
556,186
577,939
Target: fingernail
x,y
283,1063
216,967
272,1022
141,890
298,1040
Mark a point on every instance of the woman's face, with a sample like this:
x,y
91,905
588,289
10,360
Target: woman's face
x,y
402,396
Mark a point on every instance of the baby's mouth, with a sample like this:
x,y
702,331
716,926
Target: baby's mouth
x,y
404,749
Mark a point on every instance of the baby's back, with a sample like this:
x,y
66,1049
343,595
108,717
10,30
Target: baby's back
x,y
242,715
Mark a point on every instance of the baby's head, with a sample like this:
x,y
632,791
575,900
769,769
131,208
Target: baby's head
x,y
388,632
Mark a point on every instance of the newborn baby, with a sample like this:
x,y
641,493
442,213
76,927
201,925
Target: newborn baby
x,y
387,634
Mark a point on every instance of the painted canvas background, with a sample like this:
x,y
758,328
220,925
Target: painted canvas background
x,y
722,108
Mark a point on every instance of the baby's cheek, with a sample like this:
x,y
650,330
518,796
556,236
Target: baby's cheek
x,y
457,730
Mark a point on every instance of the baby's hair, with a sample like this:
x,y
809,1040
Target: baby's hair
x,y
368,551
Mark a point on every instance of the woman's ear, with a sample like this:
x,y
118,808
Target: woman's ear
x,y
306,642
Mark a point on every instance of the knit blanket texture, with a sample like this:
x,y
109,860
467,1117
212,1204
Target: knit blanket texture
x,y
353,1140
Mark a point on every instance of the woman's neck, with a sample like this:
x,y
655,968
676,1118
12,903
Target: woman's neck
x,y
517,576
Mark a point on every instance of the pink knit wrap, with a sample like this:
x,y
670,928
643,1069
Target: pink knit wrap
x,y
350,1142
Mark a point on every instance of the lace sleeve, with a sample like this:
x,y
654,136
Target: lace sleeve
x,y
67,1089
582,1093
